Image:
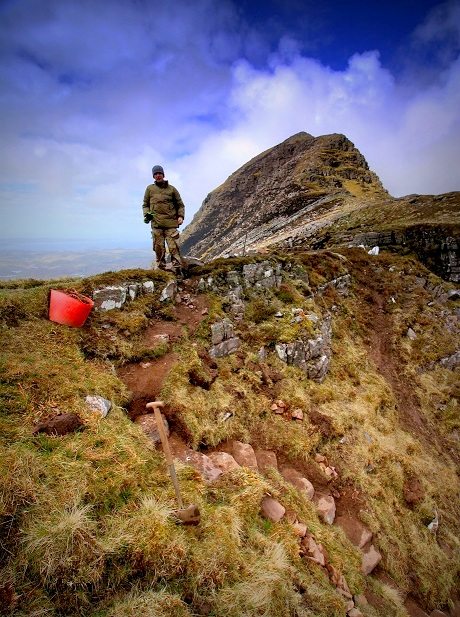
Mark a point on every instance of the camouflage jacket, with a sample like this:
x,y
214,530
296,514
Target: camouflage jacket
x,y
164,203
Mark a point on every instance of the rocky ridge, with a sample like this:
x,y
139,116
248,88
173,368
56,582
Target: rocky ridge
x,y
318,193
281,189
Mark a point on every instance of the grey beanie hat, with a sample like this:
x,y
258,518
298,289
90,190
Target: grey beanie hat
x,y
158,169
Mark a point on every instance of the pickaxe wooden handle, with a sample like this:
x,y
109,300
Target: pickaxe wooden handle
x,y
156,405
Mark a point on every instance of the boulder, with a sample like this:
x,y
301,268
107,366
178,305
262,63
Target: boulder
x,y
453,294
295,478
356,532
325,506
221,331
341,283
272,509
193,262
451,362
311,355
355,612
147,287
133,290
266,460
223,340
224,461
244,455
109,298
262,275
371,558
225,348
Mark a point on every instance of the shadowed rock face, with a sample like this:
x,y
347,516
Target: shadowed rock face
x,y
318,192
276,190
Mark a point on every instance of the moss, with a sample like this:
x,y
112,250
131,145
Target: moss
x,y
259,309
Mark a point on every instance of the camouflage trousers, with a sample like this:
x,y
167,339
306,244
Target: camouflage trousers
x,y
171,238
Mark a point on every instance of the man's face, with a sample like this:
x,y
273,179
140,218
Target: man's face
x,y
158,176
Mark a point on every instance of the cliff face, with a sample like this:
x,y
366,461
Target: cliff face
x,y
280,191
312,192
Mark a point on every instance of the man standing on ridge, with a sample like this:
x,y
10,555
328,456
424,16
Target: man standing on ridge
x,y
164,209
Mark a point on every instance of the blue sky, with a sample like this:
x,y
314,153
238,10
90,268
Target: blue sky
x,y
92,95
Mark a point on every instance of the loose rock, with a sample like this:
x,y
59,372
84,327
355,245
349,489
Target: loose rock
x,y
266,460
300,529
371,558
295,478
98,404
325,504
312,550
244,455
356,532
297,414
224,461
272,509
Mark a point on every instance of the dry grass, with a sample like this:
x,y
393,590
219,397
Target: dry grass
x,y
61,547
87,528
145,534
148,603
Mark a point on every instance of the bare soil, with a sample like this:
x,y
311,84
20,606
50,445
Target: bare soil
x,y
382,353
145,379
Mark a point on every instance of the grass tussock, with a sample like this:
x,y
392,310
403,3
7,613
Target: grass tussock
x,y
267,586
61,548
146,535
147,603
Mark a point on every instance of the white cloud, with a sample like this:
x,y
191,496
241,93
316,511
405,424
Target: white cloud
x,y
92,99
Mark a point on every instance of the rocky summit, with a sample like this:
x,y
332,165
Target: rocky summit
x,y
319,192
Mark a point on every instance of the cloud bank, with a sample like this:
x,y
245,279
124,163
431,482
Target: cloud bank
x,y
91,99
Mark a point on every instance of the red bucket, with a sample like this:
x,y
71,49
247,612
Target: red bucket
x,y
69,308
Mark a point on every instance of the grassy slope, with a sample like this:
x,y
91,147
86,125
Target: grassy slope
x,y
85,527
399,214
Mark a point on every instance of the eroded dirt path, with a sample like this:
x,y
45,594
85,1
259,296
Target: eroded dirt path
x,y
384,356
145,379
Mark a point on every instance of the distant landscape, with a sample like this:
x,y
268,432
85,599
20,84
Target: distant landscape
x,y
18,264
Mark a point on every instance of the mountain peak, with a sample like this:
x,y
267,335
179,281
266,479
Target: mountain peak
x,y
274,188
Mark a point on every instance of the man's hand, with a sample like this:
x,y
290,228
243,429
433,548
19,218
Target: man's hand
x,y
148,217
180,220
